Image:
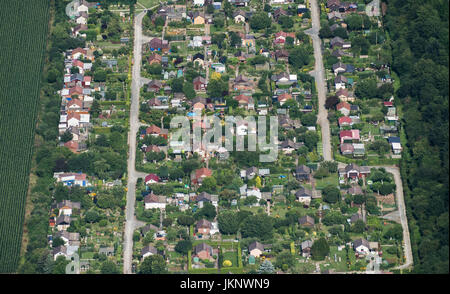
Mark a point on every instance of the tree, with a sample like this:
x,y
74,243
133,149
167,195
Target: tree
x,y
354,22
286,22
217,88
66,137
57,242
210,9
331,194
325,32
209,184
285,261
309,119
340,32
185,220
92,216
310,139
183,246
177,85
208,211
235,39
266,268
331,166
109,267
321,173
100,75
154,264
188,90
159,21
259,226
260,21
228,222
60,265
380,146
366,89
154,69
320,249
299,57
358,227
95,109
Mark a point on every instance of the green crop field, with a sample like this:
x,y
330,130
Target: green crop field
x,y
23,32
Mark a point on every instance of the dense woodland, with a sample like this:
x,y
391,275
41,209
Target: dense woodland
x,y
419,41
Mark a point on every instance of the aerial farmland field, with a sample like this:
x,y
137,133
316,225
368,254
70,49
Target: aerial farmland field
x,y
23,31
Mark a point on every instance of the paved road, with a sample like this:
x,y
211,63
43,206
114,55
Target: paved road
x,y
319,75
131,223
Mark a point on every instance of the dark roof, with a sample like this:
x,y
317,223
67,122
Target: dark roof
x,y
202,247
360,242
149,248
63,219
203,223
198,55
394,139
148,228
255,245
68,203
306,220
351,166
60,249
302,169
303,192
204,197
356,217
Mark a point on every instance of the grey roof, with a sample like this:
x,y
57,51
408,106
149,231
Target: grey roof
x,y
69,204
355,190
148,228
306,219
202,247
303,192
204,197
356,217
106,250
252,170
307,244
341,79
63,219
149,249
68,236
255,245
59,249
302,169
352,166
203,223
360,242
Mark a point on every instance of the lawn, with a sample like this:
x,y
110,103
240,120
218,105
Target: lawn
x,y
147,3
231,256
330,180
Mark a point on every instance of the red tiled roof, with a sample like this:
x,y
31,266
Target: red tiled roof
x,y
150,177
343,105
153,130
345,119
203,172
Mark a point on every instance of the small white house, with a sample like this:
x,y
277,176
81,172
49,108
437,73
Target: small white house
x,y
361,246
155,201
199,2
81,20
